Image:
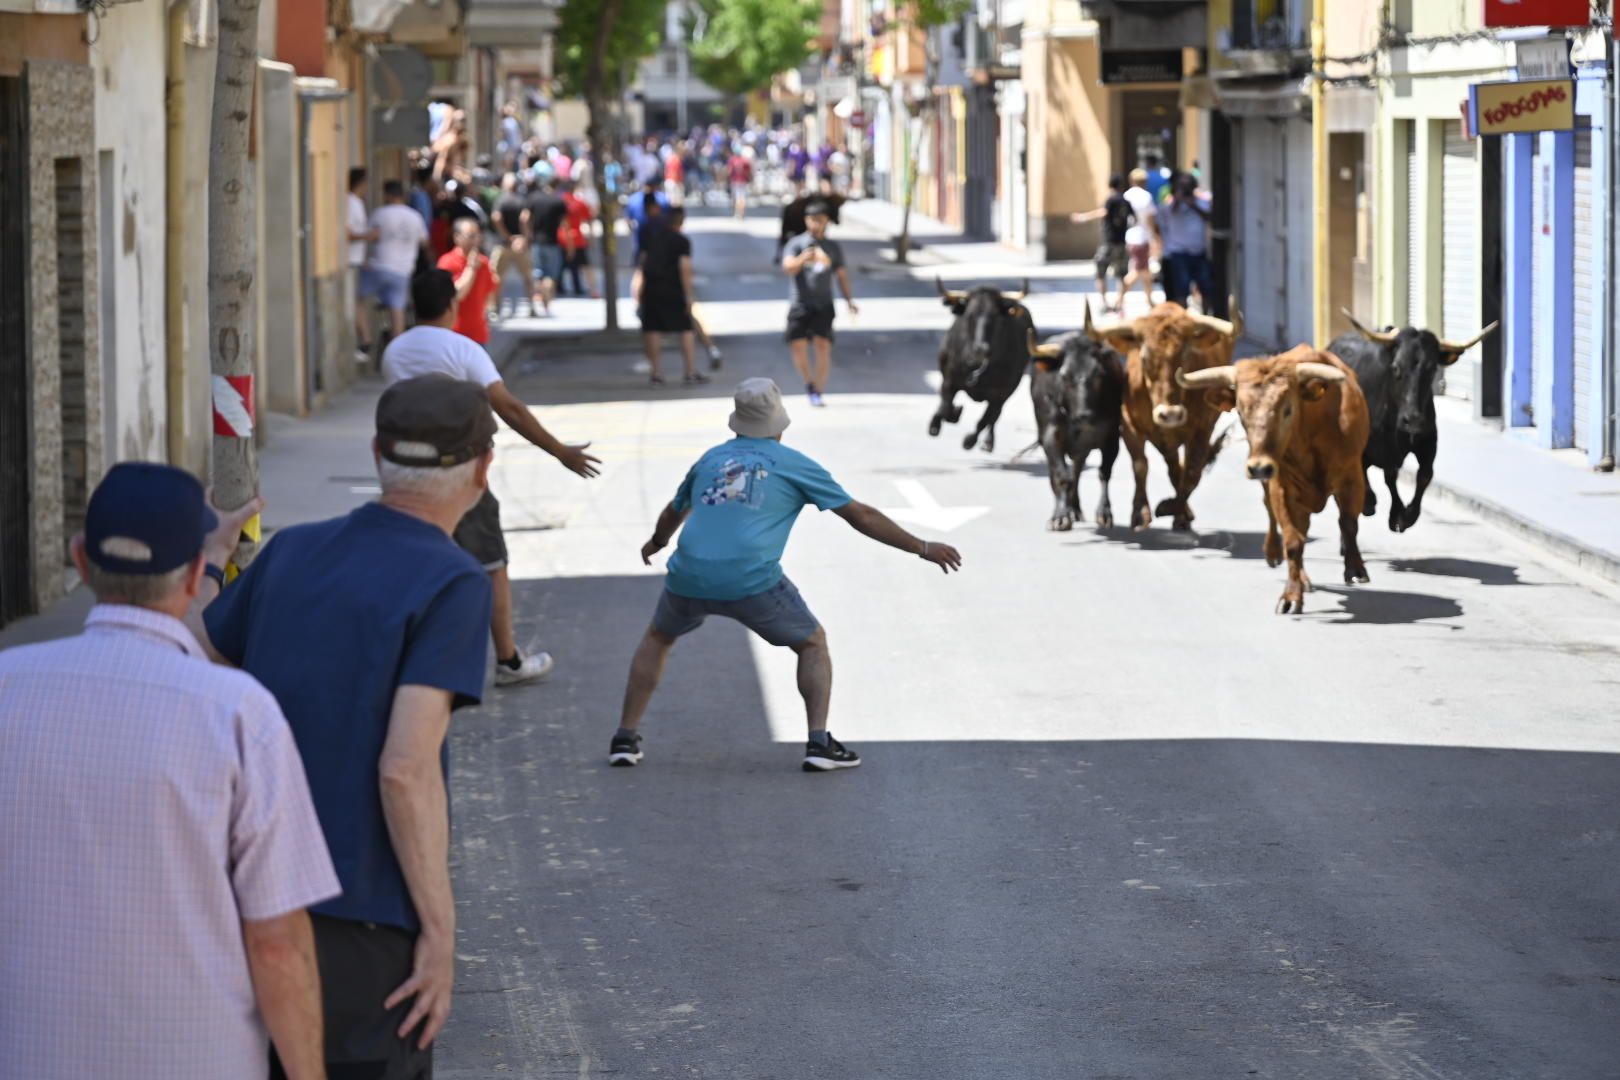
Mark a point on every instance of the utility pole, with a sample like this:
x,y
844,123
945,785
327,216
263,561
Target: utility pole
x,y
683,64
1321,293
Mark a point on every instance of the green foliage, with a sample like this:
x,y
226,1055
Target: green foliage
x,y
746,43
638,30
932,13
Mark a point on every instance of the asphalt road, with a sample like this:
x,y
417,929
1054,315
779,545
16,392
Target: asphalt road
x,y
1116,819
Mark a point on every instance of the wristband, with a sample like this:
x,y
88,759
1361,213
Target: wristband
x,y
216,573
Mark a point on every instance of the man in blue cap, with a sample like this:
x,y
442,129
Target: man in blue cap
x,y
158,845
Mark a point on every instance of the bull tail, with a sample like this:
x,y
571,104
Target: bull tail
x,y
1219,443
1016,458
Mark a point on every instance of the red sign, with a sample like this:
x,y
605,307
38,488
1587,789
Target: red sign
x,y
1538,12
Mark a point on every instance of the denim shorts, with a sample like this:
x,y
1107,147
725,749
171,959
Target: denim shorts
x,y
548,261
389,289
779,614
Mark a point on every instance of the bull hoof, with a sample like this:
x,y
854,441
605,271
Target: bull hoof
x,y
1370,506
1290,604
1141,519
933,426
989,444
1411,517
1355,574
955,414
1061,523
1397,518
971,441
1274,558
1105,518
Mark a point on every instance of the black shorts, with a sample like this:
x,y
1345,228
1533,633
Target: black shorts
x,y
810,321
1112,259
479,533
664,312
361,964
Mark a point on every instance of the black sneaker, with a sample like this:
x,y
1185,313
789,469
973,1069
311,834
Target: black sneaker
x,y
625,751
835,755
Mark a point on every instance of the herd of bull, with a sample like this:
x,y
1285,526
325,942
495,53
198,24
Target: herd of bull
x,y
1317,420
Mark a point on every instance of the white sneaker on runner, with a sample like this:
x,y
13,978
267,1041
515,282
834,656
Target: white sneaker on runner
x,y
530,669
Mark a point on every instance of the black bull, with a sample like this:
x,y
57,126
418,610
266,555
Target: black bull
x,y
1396,370
983,356
1078,388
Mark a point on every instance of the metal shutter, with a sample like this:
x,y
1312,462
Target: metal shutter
x,y
1586,305
1263,232
1540,336
1460,318
1414,238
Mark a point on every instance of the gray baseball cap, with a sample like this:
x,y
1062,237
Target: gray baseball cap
x,y
758,412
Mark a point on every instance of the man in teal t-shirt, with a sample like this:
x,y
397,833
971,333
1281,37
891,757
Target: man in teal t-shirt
x,y
738,505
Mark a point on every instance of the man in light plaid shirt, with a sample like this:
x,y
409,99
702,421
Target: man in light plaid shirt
x,y
158,844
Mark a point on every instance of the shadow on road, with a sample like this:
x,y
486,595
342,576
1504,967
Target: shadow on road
x,y
1375,607
1486,573
1239,545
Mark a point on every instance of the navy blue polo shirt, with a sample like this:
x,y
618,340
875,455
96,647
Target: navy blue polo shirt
x,y
332,618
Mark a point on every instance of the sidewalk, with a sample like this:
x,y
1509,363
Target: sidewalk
x,y
936,244
1551,498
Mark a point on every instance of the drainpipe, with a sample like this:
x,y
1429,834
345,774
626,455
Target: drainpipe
x,y
176,219
1606,463
1321,298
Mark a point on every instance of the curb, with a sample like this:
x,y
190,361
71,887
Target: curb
x,y
1594,560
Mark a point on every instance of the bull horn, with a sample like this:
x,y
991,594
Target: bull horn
x,y
947,295
1207,378
1100,334
1038,351
1237,317
1021,294
1380,337
1471,342
1220,325
1311,369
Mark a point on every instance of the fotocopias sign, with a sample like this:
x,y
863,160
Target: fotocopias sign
x,y
1538,12
1508,108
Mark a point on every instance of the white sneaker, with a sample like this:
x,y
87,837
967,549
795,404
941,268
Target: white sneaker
x,y
532,669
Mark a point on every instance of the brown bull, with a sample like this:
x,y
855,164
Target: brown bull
x,y
1157,347
1307,424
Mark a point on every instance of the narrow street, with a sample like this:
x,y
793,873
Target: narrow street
x,y
1115,818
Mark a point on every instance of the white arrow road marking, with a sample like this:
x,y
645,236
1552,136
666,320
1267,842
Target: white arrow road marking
x,y
925,511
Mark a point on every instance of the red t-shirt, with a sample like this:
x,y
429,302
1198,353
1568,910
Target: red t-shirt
x,y
741,171
572,233
471,320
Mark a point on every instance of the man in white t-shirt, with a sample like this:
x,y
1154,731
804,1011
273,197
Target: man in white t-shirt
x,y
358,227
1139,237
398,234
431,347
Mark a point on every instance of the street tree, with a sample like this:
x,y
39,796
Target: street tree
x,y
233,259
598,47
740,46
927,16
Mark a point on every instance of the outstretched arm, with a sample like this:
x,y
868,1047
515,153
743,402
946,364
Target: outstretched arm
x,y
668,522
872,522
521,420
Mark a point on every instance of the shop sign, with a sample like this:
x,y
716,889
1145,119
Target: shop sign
x,y
1508,108
1547,58
1141,66
1538,13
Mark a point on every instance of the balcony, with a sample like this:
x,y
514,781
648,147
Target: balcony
x,y
1150,24
1267,38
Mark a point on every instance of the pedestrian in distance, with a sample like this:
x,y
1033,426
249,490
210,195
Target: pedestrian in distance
x,y
433,348
812,262
547,212
400,237
158,846
477,287
663,283
740,173
793,217
735,511
511,221
1183,225
360,233
369,630
1139,237
575,239
640,208
1113,256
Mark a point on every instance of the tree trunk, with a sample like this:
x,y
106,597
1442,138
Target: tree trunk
x,y
599,130
232,258
902,243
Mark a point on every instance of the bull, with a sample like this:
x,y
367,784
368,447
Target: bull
x,y
1159,346
1307,424
983,356
1078,388
1397,369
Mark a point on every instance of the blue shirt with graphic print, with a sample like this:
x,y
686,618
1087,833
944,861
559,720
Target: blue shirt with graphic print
x,y
744,496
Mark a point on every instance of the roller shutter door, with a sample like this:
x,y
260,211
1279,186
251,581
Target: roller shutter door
x,y
1414,236
1540,336
1263,231
1586,305
1460,258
